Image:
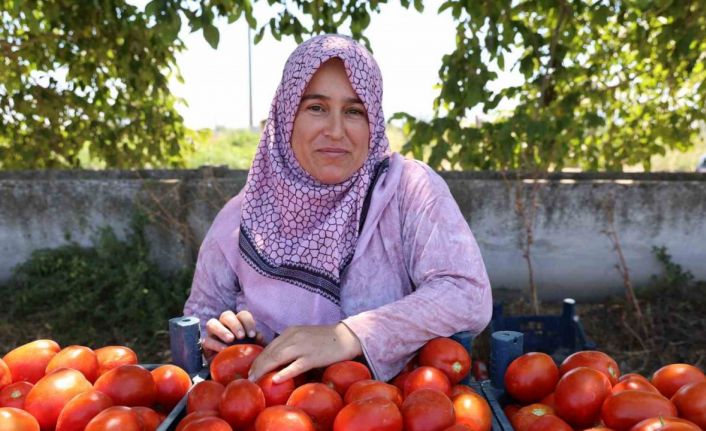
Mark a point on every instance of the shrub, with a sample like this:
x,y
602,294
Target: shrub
x,y
110,293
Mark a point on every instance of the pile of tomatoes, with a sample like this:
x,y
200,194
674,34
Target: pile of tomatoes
x,y
342,397
43,386
588,392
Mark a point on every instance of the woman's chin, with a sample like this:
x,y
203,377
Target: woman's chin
x,y
331,176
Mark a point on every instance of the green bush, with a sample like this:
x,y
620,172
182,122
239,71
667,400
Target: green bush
x,y
234,148
110,293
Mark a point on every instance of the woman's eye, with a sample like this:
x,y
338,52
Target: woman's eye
x,y
316,108
356,111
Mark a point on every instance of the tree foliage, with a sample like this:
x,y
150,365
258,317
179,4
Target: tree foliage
x,y
89,76
606,83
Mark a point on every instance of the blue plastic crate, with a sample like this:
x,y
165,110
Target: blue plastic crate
x,y
184,337
558,336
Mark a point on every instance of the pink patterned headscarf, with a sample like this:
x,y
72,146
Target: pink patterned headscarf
x,y
293,227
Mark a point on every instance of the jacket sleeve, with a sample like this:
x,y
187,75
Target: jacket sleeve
x,y
215,287
452,292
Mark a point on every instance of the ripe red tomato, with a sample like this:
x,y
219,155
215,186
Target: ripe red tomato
x,y
234,362
241,402
579,396
110,357
128,385
278,418
400,379
17,420
473,410
29,361
549,423
275,393
204,395
427,409
209,423
319,401
51,393
79,358
13,395
458,427
150,419
447,355
661,423
531,377
5,374
527,415
81,409
548,400
511,410
172,383
426,378
690,401
377,413
341,375
366,389
632,376
670,378
116,418
634,384
459,389
623,410
592,359
192,417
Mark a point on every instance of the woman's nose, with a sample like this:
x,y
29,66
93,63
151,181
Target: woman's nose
x,y
335,128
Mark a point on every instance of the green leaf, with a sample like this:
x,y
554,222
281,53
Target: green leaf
x,y
153,7
211,34
259,35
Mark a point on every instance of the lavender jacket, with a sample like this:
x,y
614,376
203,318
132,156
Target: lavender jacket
x,y
416,274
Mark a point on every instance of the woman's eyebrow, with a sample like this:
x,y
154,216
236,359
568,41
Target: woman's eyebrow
x,y
322,97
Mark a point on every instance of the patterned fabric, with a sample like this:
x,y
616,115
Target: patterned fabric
x,y
293,227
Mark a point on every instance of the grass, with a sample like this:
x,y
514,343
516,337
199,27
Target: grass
x,y
235,148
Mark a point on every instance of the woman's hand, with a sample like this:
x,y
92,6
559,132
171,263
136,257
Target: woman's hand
x,y
302,348
228,328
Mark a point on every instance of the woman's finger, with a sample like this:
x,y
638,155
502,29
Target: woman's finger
x,y
273,357
299,366
212,345
216,329
248,322
229,319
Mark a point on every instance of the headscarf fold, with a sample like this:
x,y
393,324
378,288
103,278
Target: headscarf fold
x,y
293,227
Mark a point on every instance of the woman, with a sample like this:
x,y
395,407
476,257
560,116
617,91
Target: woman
x,y
334,246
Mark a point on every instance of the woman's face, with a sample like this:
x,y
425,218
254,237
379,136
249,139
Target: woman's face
x,y
331,133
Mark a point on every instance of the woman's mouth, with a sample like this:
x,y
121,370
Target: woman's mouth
x,y
330,151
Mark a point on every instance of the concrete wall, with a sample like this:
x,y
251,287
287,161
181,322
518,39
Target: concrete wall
x,y
571,254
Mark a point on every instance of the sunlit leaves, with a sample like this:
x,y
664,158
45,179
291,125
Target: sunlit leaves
x,y
87,78
607,84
